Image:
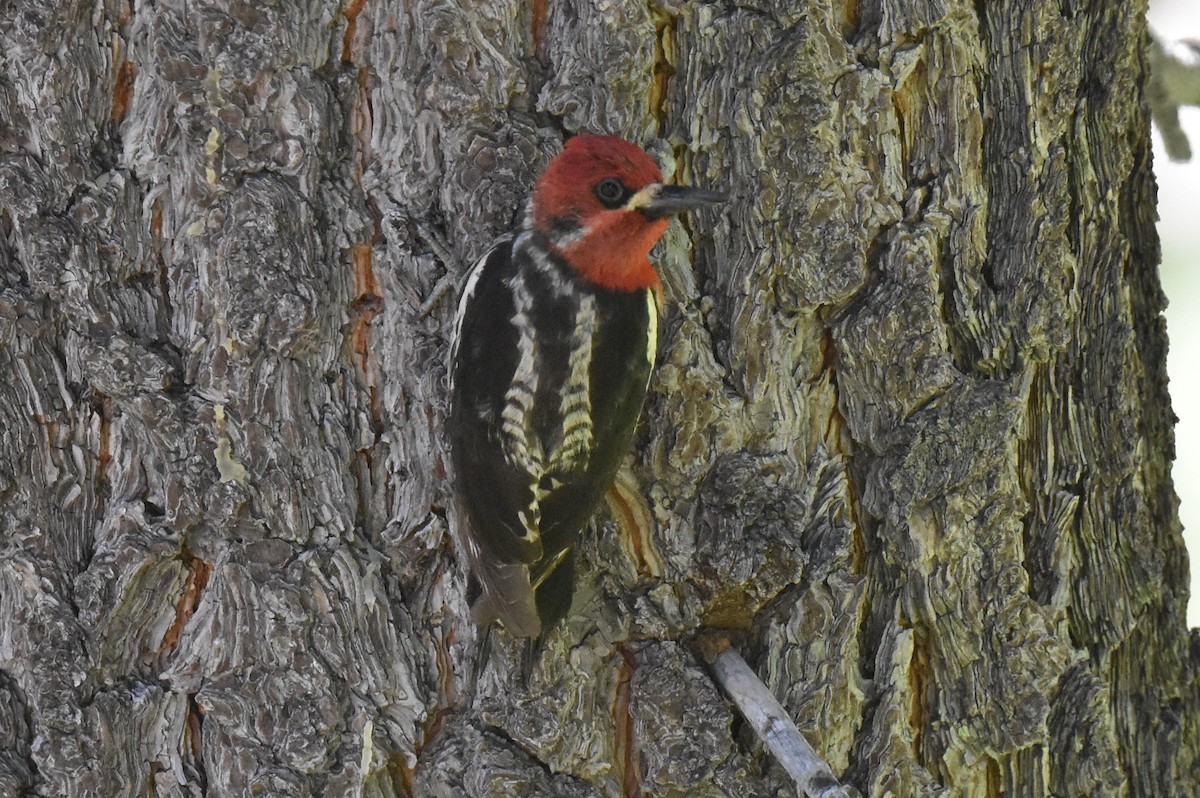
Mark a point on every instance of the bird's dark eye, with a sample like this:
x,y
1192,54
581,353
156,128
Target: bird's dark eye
x,y
611,192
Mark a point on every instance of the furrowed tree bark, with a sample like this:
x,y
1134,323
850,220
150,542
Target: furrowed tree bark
x,y
909,442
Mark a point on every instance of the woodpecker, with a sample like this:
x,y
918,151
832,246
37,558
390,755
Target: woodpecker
x,y
554,341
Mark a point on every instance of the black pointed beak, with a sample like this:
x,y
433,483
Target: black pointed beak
x,y
658,201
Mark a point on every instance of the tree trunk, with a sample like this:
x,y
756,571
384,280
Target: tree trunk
x,y
908,445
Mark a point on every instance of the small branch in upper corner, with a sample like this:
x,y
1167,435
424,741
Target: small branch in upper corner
x,y
770,720
1174,82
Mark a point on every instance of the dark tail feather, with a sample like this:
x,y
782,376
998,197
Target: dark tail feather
x,y
507,597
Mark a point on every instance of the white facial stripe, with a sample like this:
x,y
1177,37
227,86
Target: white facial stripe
x,y
541,261
565,239
643,197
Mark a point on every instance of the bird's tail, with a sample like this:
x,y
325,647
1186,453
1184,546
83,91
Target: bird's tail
x,y
507,597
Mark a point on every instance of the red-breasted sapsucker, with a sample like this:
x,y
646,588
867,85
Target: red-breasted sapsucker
x,y
553,345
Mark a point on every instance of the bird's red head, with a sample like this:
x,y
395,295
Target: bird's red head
x,y
602,205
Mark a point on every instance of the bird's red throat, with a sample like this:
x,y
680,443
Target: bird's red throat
x,y
614,252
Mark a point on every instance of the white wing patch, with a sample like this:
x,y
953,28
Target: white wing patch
x,y
651,327
575,408
523,448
